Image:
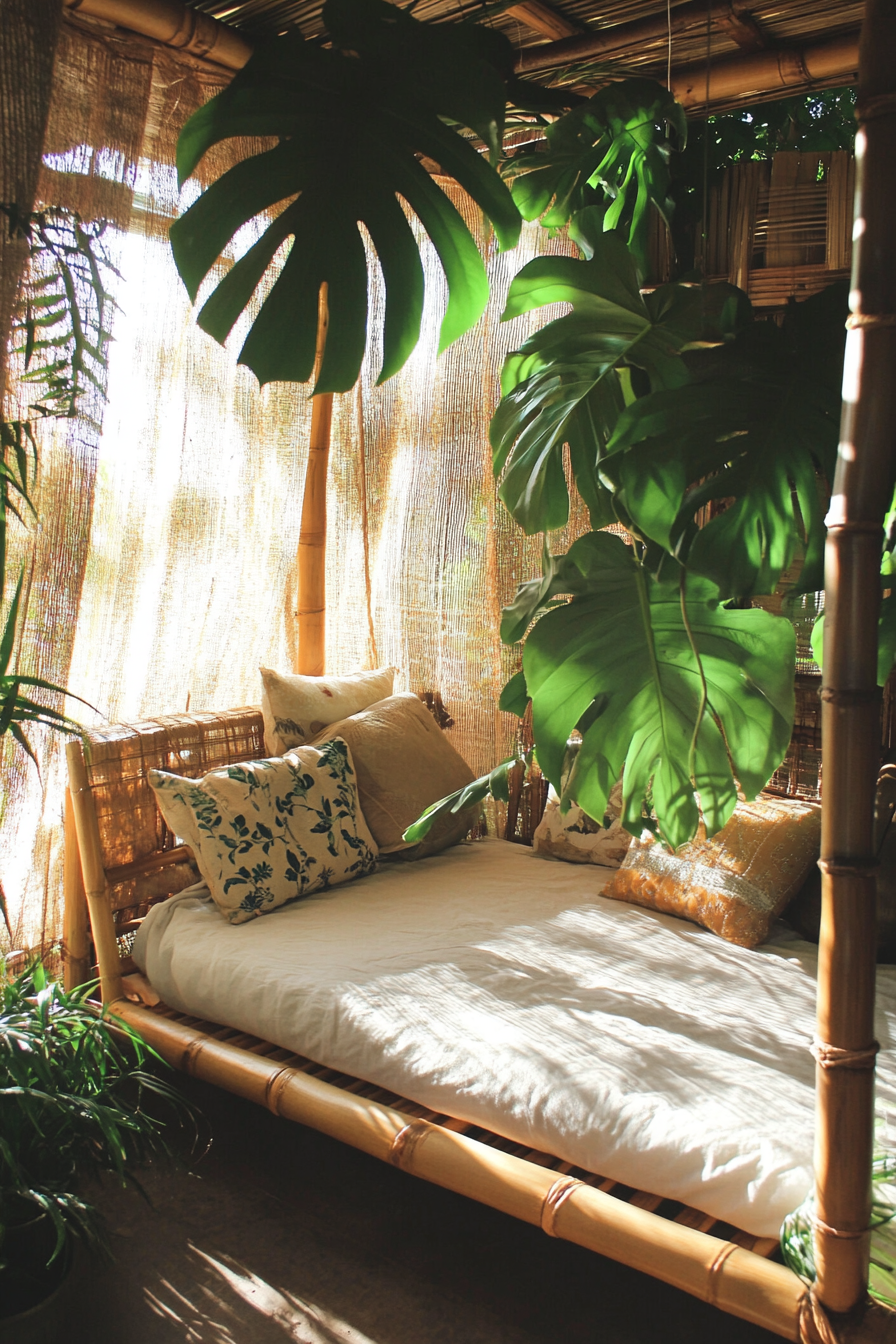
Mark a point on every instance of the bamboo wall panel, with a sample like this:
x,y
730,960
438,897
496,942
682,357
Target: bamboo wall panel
x,y
782,229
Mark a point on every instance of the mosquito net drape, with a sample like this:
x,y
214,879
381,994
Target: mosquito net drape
x,y
162,572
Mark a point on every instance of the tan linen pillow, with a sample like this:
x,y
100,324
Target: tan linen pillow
x,y
735,884
295,708
265,833
404,762
576,838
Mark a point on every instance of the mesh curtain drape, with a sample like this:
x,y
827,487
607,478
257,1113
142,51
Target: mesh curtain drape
x,y
163,570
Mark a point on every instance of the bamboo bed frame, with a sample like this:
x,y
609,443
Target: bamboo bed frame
x,y
119,857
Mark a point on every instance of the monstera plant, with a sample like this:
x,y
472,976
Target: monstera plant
x,y
678,410
707,436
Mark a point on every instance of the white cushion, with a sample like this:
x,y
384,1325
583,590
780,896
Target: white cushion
x,y
577,839
267,832
295,708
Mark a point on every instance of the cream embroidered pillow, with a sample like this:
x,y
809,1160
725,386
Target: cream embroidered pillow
x,y
575,838
267,832
296,708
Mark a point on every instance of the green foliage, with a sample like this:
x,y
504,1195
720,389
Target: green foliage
x,y
61,334
798,1234
660,679
492,785
351,121
614,149
754,425
73,1102
62,327
562,386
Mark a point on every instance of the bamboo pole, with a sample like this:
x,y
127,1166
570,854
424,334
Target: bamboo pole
x,y
736,1280
863,487
90,848
764,72
311,560
75,942
174,24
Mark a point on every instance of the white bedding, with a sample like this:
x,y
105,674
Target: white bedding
x,y
497,985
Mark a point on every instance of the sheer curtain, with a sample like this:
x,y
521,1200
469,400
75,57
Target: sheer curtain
x,y
163,570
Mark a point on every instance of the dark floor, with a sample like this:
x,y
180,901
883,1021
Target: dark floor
x,y
285,1235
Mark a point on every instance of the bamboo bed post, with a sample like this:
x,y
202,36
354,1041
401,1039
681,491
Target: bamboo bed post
x,y
75,942
850,714
311,560
94,873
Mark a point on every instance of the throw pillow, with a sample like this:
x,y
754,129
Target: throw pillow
x,y
735,884
404,762
577,838
267,832
296,708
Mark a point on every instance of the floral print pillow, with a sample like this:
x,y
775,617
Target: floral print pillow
x,y
268,832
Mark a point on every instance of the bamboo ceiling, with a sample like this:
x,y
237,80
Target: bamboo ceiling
x,y
632,33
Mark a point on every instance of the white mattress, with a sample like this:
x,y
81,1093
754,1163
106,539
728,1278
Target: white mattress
x,y
497,985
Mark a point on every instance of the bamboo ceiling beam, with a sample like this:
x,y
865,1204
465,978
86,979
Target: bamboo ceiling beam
x,y
732,15
174,24
544,19
765,72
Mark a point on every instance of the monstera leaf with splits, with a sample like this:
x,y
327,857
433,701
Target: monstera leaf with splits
x,y
615,148
753,430
569,382
689,698
351,122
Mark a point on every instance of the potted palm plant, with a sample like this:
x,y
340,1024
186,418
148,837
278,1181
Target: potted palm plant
x,y
75,1099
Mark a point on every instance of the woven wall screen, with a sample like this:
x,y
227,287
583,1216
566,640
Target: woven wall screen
x,y
163,571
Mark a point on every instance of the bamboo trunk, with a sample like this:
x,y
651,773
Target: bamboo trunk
x,y
311,561
863,487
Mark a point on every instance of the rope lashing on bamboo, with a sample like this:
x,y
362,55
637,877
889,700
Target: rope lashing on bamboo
x,y
870,320
867,868
559,1192
814,1322
833,1057
831,695
838,1231
406,1140
715,1270
878,106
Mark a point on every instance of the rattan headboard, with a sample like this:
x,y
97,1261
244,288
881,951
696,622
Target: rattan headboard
x,y
115,826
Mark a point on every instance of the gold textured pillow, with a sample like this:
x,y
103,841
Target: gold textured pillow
x,y
295,708
404,762
735,884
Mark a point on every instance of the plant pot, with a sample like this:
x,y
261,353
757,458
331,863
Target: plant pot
x,y
45,1323
30,1288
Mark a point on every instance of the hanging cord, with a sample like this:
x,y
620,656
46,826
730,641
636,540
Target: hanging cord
x,y
704,225
361,472
669,56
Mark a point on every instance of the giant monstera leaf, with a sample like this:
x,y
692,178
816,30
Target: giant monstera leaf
x,y
616,142
756,427
350,122
562,385
617,661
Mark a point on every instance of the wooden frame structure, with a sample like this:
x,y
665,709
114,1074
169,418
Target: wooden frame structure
x,y
528,1186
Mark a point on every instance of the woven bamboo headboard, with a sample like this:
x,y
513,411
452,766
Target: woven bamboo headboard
x,y
138,854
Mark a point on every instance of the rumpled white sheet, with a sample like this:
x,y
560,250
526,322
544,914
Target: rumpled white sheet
x,y
497,985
